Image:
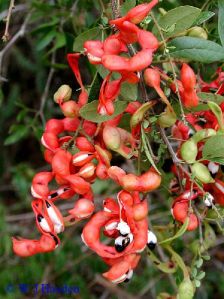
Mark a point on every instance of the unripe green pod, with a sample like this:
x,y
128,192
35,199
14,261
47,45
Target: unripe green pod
x,y
203,134
63,94
167,118
138,116
198,32
186,289
201,172
189,151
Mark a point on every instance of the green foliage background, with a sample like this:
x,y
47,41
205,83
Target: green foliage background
x,y
25,73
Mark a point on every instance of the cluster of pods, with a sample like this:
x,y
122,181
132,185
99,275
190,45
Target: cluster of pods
x,y
192,135
80,151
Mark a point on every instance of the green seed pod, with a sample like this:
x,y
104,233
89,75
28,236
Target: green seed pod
x,y
186,289
203,134
189,151
138,116
201,172
63,94
197,32
167,118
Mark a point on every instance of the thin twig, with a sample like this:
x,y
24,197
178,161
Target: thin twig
x,y
14,39
6,35
46,89
172,66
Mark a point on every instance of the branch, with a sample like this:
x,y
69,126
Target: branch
x,y
6,35
46,89
14,39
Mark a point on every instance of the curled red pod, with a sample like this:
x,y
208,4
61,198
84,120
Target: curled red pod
x,y
94,50
83,144
78,184
39,188
147,40
61,163
81,158
187,77
50,141
54,126
87,171
83,208
138,13
71,124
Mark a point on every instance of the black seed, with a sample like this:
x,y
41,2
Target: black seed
x,y
213,174
123,235
39,217
47,204
151,245
201,122
126,242
55,194
55,239
126,280
119,248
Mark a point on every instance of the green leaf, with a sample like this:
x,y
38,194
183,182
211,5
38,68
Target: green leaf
x,y
214,148
203,17
199,263
197,283
196,49
129,4
45,40
19,132
91,34
221,21
177,20
89,111
180,232
218,113
129,92
207,97
95,87
212,97
147,152
59,42
201,275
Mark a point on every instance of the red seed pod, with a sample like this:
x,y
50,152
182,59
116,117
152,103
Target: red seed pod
x,y
147,40
138,13
79,185
48,156
115,63
71,124
190,99
193,222
50,141
89,128
83,144
83,98
54,126
82,158
61,163
87,171
101,171
94,50
140,211
83,208
39,188
140,60
187,77
112,45
70,109
125,198
149,181
180,211
152,78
